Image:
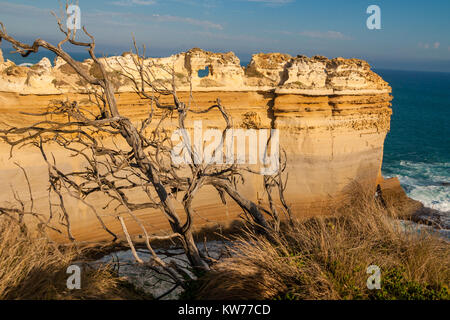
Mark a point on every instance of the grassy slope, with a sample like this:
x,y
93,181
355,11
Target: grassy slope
x,y
31,267
327,258
318,258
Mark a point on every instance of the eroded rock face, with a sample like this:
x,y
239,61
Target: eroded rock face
x,y
332,114
317,75
306,73
267,69
224,68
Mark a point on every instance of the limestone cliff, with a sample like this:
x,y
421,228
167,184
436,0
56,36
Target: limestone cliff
x,y
333,116
280,72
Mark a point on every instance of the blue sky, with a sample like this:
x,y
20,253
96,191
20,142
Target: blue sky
x,y
414,34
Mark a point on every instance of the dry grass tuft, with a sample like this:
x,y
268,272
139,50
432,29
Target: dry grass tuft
x,y
327,258
34,268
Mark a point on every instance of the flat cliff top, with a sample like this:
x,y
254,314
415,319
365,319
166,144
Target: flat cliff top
x,y
277,72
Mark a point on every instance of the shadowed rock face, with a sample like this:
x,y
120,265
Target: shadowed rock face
x,y
333,116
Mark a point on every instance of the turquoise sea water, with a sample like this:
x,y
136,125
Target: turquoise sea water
x,y
417,149
36,57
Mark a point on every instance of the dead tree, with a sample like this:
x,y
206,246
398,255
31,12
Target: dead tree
x,y
144,166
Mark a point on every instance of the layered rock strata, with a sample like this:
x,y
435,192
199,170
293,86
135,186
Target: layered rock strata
x,y
332,114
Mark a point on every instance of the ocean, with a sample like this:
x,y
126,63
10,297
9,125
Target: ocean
x,y
36,57
417,148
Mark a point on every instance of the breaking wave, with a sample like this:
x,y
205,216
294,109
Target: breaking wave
x,y
428,183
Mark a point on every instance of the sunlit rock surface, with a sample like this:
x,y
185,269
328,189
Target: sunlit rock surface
x,y
333,116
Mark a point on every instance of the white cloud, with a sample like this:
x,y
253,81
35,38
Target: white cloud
x,y
143,2
240,37
273,2
133,19
21,8
435,45
191,21
200,3
128,3
325,35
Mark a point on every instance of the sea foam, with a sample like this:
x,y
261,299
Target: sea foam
x,y
428,183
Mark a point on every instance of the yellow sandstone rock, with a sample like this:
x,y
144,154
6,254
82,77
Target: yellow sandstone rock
x,y
333,116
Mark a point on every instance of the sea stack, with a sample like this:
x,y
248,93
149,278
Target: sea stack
x,y
332,114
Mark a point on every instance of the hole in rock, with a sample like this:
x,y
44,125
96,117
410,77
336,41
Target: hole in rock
x,y
202,73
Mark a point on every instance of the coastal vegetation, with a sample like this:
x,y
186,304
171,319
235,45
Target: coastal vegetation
x,y
32,267
317,258
328,257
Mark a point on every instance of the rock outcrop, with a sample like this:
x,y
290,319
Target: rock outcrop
x,y
274,71
333,116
